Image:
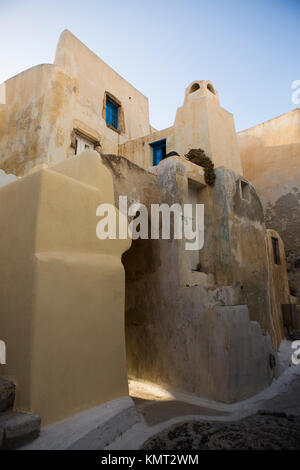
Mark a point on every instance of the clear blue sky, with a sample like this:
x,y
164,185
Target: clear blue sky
x,y
249,49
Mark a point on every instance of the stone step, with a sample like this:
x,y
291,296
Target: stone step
x,y
7,394
17,429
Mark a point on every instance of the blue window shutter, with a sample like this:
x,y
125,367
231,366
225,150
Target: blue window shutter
x,y
111,113
157,155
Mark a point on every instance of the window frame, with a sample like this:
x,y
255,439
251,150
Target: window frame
x,y
81,135
121,120
112,113
245,190
276,250
159,144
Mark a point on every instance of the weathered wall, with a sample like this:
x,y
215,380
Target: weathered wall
x,y
234,252
94,77
189,337
202,123
270,154
33,130
6,178
139,151
279,287
41,107
199,123
241,255
61,290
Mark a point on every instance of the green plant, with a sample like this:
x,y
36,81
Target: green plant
x,y
198,157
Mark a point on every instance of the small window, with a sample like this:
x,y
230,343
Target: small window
x,y
194,87
245,190
83,143
112,111
159,151
276,253
211,88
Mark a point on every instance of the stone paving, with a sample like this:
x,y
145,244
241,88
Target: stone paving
x,y
258,432
173,421
274,425
157,412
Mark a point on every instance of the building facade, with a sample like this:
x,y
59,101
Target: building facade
x,y
270,154
207,322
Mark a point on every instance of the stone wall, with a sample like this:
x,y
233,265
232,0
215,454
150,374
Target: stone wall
x,y
278,286
185,334
270,154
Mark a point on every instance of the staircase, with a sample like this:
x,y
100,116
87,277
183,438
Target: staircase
x,y
16,428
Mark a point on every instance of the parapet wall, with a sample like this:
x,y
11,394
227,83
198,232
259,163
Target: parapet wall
x,y
62,290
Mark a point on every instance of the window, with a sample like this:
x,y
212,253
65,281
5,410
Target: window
x,y
112,112
211,88
276,253
159,151
194,87
83,143
245,190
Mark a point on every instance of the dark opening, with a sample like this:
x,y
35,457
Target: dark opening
x,y
159,151
211,88
276,254
194,87
245,190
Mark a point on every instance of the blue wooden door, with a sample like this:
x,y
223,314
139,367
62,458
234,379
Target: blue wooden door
x,y
159,151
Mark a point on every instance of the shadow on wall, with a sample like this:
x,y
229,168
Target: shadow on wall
x,y
274,170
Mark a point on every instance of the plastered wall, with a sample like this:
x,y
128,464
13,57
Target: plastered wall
x,y
190,334
41,108
200,123
270,154
62,290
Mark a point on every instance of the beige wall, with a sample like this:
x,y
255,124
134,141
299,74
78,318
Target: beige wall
x,y
93,78
21,143
61,290
270,154
279,288
139,151
238,232
41,107
178,321
200,123
36,125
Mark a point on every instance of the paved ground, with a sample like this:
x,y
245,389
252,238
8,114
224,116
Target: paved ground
x,y
166,419
155,412
259,432
276,425
287,401
170,420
